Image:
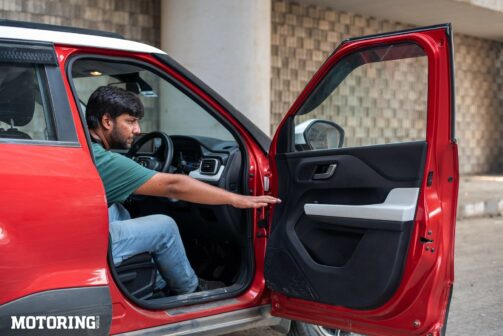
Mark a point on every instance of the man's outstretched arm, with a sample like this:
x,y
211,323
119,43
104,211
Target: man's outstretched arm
x,y
189,189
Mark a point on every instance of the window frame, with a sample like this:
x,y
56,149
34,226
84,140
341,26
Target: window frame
x,y
292,122
57,111
162,74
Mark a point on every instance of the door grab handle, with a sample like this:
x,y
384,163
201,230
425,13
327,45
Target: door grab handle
x,y
326,175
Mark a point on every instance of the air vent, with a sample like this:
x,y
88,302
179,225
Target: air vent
x,y
209,166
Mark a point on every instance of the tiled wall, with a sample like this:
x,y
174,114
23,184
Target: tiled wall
x,y
303,36
137,20
479,104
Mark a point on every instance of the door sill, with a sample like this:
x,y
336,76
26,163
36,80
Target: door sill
x,y
256,317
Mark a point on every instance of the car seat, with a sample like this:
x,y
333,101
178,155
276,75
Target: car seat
x,y
135,275
17,100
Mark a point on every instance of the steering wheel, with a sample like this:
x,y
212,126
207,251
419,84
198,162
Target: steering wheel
x,y
161,159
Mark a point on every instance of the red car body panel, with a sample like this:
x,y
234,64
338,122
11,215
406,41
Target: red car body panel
x,y
66,246
419,304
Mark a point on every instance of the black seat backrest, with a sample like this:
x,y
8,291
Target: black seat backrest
x,y
17,99
13,133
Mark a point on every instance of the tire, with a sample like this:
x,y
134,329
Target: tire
x,y
306,329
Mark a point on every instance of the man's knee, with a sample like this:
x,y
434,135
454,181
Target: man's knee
x,y
166,225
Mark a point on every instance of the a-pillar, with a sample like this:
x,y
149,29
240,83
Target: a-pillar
x,y
227,44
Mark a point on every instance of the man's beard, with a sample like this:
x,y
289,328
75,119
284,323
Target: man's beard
x,y
118,141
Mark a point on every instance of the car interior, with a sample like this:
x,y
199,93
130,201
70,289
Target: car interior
x,y
21,108
180,135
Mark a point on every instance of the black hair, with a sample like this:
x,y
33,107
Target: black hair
x,y
113,101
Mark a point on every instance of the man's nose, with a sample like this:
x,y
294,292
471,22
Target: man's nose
x,y
137,129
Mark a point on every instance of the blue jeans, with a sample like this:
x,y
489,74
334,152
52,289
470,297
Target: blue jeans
x,y
158,235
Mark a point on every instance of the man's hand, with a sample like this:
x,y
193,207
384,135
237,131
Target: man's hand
x,y
244,202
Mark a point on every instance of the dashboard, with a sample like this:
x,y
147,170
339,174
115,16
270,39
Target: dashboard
x,y
214,161
202,158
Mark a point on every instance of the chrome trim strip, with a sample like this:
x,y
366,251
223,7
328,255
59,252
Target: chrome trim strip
x,y
255,317
48,143
200,307
400,206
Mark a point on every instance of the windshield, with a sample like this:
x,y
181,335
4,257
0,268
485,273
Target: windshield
x,y
167,108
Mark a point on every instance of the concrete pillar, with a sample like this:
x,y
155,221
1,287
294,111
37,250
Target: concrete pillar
x,y
227,44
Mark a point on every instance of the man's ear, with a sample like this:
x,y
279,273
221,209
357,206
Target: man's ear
x,y
107,121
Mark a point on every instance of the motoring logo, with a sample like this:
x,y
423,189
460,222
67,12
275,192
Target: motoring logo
x,y
57,322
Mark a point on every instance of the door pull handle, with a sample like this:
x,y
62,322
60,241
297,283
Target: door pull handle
x,y
327,174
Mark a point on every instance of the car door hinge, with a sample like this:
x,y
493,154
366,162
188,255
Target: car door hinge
x,y
429,180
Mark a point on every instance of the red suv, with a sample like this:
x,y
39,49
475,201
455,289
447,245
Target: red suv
x,y
363,240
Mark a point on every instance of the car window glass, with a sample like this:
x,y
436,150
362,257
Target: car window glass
x,y
167,108
373,96
25,111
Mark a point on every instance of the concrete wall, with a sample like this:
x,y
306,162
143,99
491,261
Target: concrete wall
x,y
303,36
226,43
495,5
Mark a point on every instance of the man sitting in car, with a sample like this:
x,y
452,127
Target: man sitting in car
x,y
113,116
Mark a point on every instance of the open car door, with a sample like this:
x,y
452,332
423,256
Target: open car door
x,y
366,164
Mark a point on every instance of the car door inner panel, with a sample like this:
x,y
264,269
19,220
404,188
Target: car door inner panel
x,y
347,235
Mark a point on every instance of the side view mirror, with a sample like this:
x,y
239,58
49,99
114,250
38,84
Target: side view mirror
x,y
316,134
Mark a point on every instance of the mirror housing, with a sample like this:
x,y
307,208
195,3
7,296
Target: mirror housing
x,y
316,134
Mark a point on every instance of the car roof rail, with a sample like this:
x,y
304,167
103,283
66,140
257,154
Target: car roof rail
x,y
65,29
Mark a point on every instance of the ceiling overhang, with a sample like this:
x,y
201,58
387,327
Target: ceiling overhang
x,y
469,17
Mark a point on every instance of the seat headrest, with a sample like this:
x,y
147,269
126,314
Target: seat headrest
x,y
17,96
13,133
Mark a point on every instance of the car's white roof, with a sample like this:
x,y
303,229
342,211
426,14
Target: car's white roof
x,y
75,39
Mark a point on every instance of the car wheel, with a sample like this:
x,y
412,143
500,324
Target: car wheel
x,y
306,329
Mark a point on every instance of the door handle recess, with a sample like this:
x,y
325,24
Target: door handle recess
x,y
327,174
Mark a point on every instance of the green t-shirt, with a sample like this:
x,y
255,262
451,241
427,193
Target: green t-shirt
x,y
120,175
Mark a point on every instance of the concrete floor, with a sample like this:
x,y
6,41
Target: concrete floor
x,y
477,306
